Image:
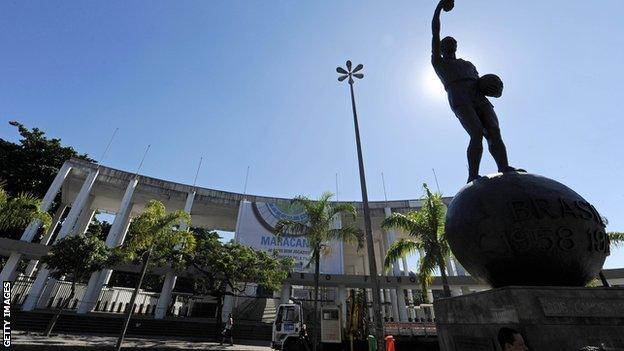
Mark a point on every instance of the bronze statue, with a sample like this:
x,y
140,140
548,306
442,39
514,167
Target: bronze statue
x,y
467,97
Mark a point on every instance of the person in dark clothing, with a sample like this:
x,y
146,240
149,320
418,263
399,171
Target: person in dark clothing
x,y
511,340
304,338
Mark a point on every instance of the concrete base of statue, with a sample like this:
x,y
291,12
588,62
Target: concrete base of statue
x,y
549,318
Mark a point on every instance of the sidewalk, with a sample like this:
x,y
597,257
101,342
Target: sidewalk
x,y
36,342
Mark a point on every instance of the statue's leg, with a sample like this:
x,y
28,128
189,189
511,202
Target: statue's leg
x,y
472,124
493,136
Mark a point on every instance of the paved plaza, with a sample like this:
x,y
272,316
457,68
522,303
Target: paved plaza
x,y
35,341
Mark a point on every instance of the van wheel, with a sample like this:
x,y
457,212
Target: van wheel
x,y
292,344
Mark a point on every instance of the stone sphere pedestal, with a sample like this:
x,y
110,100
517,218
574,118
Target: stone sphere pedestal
x,y
538,243
525,229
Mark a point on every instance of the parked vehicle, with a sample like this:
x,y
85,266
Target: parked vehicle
x,y
288,324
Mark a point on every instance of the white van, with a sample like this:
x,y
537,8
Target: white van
x,y
287,324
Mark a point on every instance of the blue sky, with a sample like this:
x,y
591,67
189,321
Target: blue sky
x,y
252,83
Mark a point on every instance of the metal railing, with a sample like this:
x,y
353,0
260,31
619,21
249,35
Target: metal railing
x,y
20,290
410,329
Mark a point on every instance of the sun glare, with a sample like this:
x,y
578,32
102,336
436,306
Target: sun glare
x,y
431,83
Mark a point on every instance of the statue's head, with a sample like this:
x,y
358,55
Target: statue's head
x,y
448,46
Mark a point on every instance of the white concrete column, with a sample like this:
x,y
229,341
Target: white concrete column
x,y
56,220
77,206
170,279
342,300
396,295
115,237
83,222
10,268
285,293
450,267
410,297
48,198
333,262
80,228
103,277
165,295
406,270
35,291
382,300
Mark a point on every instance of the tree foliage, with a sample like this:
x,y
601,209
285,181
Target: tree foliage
x,y
357,314
319,227
616,239
76,257
154,239
31,164
425,229
159,231
99,228
228,268
232,265
319,231
16,212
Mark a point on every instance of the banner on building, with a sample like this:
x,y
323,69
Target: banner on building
x,y
255,228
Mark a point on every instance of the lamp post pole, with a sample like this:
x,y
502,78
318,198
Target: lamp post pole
x,y
372,263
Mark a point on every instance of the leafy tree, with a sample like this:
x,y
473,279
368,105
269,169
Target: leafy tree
x,y
99,228
154,239
31,165
426,233
18,211
318,229
151,282
75,258
226,269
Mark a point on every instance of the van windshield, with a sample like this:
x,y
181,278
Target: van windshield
x,y
288,314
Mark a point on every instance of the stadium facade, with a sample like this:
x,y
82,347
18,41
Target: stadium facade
x,y
87,188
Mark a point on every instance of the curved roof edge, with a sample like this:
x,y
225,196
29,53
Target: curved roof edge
x,y
116,175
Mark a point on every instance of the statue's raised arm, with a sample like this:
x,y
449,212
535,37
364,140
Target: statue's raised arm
x,y
446,5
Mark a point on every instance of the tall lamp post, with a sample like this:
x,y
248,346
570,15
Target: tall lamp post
x,y
372,263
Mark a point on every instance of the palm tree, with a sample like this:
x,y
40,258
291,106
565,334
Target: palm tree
x,y
426,234
616,239
318,229
154,239
18,211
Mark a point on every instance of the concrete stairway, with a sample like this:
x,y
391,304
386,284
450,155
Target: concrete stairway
x,y
270,310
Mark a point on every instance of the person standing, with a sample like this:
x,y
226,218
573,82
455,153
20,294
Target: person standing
x,y
303,337
227,331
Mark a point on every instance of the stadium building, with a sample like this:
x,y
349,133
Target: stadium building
x,y
87,188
